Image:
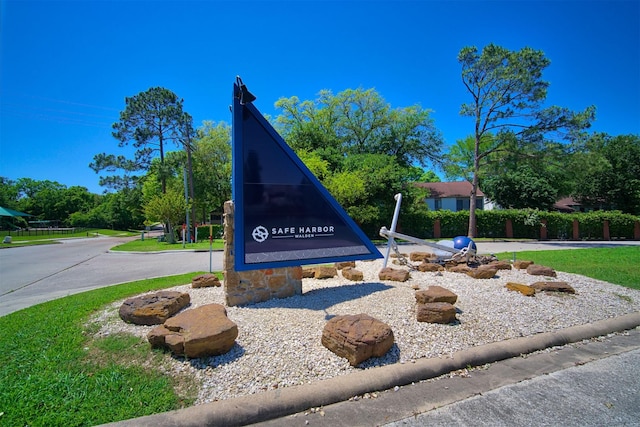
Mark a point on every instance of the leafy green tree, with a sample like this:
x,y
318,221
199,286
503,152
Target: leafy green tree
x,y
607,173
507,94
168,208
212,167
149,121
363,151
8,192
357,121
520,189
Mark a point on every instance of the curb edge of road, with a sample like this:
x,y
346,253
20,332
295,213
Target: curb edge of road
x,y
281,402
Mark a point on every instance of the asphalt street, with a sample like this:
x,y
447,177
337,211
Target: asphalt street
x,y
31,275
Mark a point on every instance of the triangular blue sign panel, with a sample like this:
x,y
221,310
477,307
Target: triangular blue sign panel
x,y
283,215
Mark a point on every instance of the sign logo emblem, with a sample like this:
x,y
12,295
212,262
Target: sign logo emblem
x,y
260,234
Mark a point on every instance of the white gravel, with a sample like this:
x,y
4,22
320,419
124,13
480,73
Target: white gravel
x,y
279,340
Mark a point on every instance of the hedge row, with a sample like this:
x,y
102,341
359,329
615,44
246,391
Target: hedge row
x,y
527,223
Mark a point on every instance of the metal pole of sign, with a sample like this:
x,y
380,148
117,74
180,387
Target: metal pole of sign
x,y
394,222
210,245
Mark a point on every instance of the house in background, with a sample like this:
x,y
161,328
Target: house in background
x,y
453,196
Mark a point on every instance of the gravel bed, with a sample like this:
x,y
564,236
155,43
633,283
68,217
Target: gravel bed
x,y
279,340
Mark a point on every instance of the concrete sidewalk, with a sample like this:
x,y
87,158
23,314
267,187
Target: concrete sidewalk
x,y
399,403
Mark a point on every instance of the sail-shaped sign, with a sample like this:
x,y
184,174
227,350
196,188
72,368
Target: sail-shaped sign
x,y
283,215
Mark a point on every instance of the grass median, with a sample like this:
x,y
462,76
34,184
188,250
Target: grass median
x,y
55,373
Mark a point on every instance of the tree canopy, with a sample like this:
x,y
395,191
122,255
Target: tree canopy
x,y
507,100
150,120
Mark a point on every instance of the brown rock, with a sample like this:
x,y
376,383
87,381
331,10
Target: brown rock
x,y
205,281
521,265
308,273
430,266
459,268
483,272
344,264
153,309
554,287
200,332
519,287
501,265
436,312
436,294
541,270
393,274
324,272
420,256
357,337
350,273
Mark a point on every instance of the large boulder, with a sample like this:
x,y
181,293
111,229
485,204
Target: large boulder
x,y
436,312
153,309
200,332
436,294
357,337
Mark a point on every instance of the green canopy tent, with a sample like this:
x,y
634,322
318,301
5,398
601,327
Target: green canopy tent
x,y
11,212
6,212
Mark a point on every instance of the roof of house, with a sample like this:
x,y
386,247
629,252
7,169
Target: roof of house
x,y
441,190
568,204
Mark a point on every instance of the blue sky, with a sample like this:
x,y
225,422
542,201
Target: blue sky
x,y
66,67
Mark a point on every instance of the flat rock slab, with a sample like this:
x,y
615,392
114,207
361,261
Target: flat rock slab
x,y
153,309
436,294
541,270
554,287
483,272
205,281
357,337
393,274
430,266
200,332
525,290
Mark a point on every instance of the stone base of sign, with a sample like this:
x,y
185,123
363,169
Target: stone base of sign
x,y
250,287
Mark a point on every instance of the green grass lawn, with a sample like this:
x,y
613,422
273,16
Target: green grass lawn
x,y
53,238
614,265
53,372
153,245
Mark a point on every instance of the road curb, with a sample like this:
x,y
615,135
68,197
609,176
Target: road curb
x,y
278,403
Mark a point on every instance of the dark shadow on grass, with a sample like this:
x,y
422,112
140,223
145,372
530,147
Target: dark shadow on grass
x,y
236,352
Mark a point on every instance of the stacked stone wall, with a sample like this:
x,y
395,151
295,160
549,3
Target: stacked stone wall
x,y
250,287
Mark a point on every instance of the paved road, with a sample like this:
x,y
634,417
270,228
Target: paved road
x,y
31,275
